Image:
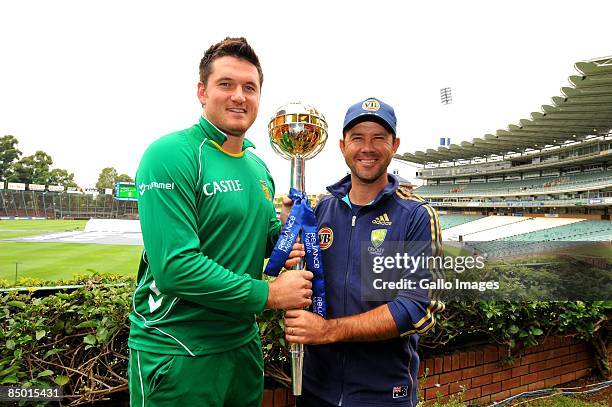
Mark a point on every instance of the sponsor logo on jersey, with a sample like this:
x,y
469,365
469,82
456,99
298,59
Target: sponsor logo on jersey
x,y
223,186
326,238
382,220
266,190
142,188
371,104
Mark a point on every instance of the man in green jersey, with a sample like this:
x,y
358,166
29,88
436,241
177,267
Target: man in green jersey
x,y
208,222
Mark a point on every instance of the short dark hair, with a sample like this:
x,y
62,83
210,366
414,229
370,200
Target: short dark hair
x,y
234,47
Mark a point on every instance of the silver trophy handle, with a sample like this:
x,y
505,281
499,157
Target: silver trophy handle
x,y
297,349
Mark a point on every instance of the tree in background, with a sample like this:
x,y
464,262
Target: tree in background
x,y
33,169
109,176
9,153
124,178
59,176
36,169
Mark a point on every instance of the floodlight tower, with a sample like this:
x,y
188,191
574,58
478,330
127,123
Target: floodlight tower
x,y
446,98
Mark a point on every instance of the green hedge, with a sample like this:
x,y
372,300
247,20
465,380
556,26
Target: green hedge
x,y
79,339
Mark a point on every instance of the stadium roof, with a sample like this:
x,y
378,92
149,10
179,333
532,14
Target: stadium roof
x,y
585,109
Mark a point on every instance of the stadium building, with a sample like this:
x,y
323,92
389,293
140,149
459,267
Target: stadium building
x,y
18,200
549,178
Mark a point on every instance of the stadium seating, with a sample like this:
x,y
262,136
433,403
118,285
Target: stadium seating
x,y
448,221
530,229
483,224
586,230
561,236
543,185
519,228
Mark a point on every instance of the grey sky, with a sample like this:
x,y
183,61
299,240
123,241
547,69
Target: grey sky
x,y
93,83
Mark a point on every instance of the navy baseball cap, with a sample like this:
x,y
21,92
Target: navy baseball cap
x,y
370,109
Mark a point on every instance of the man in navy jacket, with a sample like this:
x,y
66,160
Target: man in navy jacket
x,y
364,354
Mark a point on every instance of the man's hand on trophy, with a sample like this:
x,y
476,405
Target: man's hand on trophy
x,y
296,254
290,290
305,327
286,206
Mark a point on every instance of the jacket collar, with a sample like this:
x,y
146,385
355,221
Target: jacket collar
x,y
213,133
341,188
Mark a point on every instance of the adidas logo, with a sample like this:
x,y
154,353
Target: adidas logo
x,y
382,220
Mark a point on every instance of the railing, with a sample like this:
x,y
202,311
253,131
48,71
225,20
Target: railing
x,y
523,204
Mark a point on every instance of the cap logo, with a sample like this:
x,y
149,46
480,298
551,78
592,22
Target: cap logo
x,y
371,104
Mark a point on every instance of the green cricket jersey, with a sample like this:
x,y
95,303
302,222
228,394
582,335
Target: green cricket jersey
x,y
207,221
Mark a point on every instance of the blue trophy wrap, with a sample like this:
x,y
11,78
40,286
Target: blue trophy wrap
x,y
301,219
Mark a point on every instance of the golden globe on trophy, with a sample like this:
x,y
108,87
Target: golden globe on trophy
x,y
297,132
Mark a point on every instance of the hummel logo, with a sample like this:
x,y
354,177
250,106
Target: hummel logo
x,y
153,305
382,220
142,188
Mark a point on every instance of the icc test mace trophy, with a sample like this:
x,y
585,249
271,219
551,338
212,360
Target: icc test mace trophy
x,y
298,132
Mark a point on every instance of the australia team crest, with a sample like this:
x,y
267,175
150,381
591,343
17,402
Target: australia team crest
x,y
377,237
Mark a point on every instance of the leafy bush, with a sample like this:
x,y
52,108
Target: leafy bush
x,y
521,325
509,323
79,339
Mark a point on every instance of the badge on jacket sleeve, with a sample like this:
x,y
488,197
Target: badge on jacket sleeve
x,y
326,238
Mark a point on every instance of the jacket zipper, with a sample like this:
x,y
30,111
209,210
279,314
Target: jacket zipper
x,y
353,223
346,275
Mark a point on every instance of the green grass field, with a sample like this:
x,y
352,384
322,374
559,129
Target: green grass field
x,y
454,251
55,261
597,249
18,228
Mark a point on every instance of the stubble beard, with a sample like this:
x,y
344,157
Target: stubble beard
x,y
235,130
372,179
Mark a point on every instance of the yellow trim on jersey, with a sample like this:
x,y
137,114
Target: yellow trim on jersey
x,y
439,308
429,319
240,154
436,234
432,223
427,315
408,197
428,327
435,245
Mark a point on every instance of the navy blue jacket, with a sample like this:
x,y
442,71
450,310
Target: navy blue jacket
x,y
380,373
